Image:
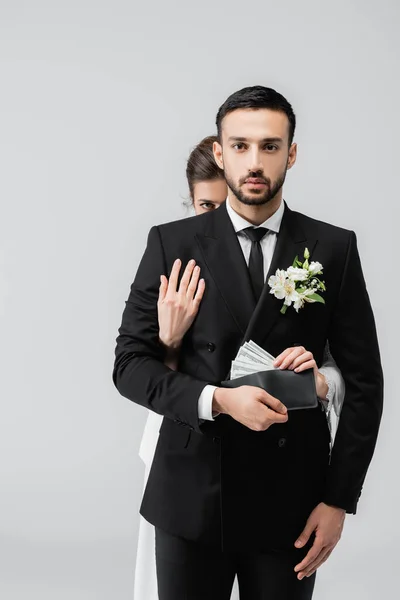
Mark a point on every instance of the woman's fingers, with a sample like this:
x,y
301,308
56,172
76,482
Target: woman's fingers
x,y
173,278
309,364
297,358
281,357
183,286
189,284
199,293
291,356
194,280
163,288
304,357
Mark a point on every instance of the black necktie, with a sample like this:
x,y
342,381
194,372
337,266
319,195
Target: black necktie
x,y
256,262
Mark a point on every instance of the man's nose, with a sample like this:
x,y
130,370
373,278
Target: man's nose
x,y
255,163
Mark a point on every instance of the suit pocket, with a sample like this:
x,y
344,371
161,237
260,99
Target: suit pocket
x,y
174,434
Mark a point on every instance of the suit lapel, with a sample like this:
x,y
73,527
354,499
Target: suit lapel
x,y
224,258
292,240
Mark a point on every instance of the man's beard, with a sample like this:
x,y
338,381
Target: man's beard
x,y
264,196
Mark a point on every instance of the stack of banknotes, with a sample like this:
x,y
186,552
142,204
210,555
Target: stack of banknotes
x,y
251,358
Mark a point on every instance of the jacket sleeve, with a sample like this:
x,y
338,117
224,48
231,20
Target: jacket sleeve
x,y
354,346
139,373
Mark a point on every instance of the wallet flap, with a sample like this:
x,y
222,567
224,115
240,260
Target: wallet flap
x,y
295,390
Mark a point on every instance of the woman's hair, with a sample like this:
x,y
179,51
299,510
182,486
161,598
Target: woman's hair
x,y
201,165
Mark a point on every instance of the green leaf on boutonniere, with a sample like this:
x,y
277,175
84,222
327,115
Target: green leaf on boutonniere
x,y
316,298
296,261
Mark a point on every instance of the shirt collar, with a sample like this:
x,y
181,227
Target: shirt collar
x,y
239,223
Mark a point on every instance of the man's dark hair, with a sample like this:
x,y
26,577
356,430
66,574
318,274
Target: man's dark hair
x,y
257,96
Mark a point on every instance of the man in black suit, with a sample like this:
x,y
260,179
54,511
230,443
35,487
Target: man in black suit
x,y
237,485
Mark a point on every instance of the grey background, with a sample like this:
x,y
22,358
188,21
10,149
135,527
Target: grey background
x,y
100,104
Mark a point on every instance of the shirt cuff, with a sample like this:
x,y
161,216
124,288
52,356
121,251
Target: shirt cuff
x,y
205,403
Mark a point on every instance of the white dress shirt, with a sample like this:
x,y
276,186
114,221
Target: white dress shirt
x,y
268,244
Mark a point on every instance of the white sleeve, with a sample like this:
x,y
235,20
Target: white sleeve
x,y
150,437
205,403
335,382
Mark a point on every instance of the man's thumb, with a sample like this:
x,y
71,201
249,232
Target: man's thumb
x,y
305,534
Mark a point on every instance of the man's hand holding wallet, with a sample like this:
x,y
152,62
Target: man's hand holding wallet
x,y
260,392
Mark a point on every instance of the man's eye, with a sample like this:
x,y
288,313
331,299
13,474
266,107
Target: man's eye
x,y
271,147
207,205
238,146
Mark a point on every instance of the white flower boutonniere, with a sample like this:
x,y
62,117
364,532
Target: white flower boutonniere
x,y
298,284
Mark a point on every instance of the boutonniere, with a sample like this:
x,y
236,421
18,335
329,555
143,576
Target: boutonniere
x,y
298,284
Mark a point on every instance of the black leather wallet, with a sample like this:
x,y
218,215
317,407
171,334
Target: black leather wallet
x,y
295,390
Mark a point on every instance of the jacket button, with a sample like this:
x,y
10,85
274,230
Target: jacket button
x,y
210,347
282,442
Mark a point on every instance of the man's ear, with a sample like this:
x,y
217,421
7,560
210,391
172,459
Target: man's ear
x,y
217,150
292,156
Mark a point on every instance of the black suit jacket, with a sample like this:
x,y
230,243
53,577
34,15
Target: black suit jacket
x,y
219,482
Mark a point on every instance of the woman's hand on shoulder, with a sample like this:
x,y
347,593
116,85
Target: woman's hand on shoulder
x,y
178,306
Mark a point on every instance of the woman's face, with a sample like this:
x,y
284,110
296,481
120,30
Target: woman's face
x,y
209,195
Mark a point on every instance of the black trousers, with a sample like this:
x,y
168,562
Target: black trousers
x,y
189,571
